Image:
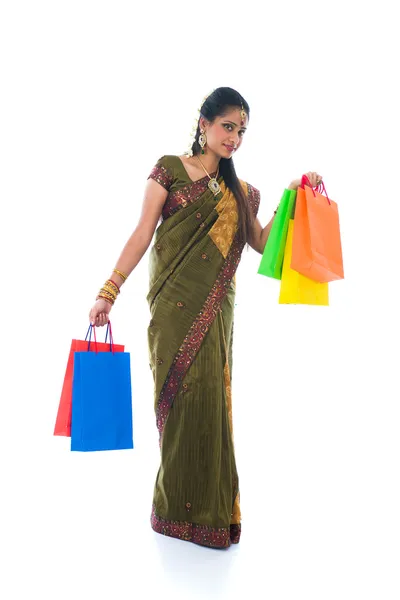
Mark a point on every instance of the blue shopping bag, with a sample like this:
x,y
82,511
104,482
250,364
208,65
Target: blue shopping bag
x,y
101,400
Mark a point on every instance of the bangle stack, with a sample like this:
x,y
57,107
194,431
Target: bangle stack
x,y
110,289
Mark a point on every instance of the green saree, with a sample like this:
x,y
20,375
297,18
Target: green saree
x,y
192,289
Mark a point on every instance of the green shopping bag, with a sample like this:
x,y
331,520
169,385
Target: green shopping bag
x,y
272,258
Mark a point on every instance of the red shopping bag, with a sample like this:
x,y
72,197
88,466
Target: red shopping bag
x,y
63,420
317,249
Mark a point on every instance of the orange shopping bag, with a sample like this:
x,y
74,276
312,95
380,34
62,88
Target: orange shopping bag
x,y
63,420
317,248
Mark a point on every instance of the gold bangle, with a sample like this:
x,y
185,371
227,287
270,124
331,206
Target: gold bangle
x,y
108,293
111,288
112,285
104,298
122,275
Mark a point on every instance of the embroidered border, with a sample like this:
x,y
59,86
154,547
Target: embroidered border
x,y
193,340
199,534
184,196
254,198
162,175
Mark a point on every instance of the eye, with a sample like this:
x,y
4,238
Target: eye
x,y
231,128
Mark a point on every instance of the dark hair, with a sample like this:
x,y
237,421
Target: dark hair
x,y
218,104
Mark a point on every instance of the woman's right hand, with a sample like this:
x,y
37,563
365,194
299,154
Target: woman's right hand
x,y
99,313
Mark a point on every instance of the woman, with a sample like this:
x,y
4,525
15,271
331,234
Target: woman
x,y
208,215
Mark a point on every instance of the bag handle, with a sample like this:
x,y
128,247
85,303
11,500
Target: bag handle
x,y
89,333
320,188
109,331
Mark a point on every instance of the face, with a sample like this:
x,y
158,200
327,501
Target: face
x,y
225,135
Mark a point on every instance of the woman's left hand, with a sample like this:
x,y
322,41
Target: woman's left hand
x,y
313,177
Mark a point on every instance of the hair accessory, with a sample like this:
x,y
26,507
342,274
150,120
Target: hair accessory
x,y
189,151
243,115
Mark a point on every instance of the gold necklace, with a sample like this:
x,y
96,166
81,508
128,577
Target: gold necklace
x,y
213,183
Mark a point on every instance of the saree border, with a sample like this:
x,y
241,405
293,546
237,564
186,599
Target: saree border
x,y
213,537
184,196
162,175
196,334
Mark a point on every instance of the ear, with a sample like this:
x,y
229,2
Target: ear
x,y
203,123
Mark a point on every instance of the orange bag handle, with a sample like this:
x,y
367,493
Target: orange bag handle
x,y
320,188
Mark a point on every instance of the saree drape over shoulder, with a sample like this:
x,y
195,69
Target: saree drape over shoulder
x,y
192,288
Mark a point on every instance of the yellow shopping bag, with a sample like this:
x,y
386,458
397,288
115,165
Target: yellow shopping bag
x,y
295,288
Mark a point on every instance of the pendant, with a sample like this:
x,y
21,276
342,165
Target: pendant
x,y
214,186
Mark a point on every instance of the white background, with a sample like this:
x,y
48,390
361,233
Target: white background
x,y
92,94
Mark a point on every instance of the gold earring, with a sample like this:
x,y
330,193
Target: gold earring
x,y
202,140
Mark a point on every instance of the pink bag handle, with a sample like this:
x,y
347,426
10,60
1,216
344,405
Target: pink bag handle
x,y
320,188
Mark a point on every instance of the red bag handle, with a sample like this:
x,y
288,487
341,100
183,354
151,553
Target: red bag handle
x,y
320,188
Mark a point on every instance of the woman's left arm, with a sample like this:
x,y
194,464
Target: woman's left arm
x,y
260,235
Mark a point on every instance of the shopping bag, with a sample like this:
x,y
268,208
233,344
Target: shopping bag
x,y
317,249
101,401
63,420
295,288
272,258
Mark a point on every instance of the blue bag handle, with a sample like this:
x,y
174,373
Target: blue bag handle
x,y
108,331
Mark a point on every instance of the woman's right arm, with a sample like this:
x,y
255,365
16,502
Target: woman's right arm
x,y
154,199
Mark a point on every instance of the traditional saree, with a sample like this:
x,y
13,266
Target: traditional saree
x,y
193,262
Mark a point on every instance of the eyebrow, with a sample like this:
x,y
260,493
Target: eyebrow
x,y
232,123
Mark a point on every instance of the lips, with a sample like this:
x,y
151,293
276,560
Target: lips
x,y
230,148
